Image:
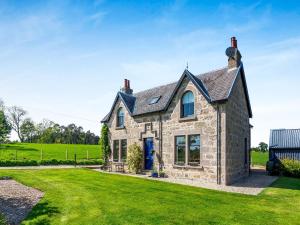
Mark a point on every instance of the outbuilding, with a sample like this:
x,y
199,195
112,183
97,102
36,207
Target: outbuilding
x,y
284,144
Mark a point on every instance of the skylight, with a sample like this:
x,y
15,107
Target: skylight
x,y
153,100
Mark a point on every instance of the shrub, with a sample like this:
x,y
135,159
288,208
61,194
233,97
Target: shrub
x,y
273,167
135,158
290,168
104,144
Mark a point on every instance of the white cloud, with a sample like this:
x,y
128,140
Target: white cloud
x,y
97,18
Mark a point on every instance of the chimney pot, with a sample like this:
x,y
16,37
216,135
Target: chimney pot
x,y
233,42
125,83
126,89
128,84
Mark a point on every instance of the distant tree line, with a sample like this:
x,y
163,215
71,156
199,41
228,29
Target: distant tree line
x,y
14,118
262,147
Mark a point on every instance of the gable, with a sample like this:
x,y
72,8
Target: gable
x,y
237,97
127,100
240,82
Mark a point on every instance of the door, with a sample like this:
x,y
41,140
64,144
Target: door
x,y
148,147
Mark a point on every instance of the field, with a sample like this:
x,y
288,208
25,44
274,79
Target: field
x,y
26,151
82,196
259,158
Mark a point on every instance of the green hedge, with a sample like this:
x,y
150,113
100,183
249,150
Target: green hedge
x,y
290,168
9,163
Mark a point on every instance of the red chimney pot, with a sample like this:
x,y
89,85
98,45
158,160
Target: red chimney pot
x,y
233,42
125,83
128,84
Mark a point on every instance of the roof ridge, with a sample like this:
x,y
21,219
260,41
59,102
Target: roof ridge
x,y
211,71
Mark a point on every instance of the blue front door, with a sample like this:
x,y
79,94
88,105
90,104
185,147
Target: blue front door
x,y
148,146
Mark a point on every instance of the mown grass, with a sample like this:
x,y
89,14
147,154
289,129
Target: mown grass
x,y
81,196
26,151
259,158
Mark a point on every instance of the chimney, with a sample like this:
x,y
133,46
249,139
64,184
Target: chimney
x,y
126,89
234,55
233,42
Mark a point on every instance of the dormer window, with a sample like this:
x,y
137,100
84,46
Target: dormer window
x,y
153,100
187,104
120,118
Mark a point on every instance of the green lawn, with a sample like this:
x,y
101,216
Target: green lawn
x,y
259,158
82,196
26,151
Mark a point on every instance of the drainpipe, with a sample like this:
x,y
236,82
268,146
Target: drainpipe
x,y
160,143
218,145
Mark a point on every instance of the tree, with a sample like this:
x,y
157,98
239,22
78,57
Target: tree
x,y
135,158
104,144
5,128
16,116
1,105
263,147
27,130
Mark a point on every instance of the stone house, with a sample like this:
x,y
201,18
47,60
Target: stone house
x,y
197,127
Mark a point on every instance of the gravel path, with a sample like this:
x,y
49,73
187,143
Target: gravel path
x,y
17,200
252,185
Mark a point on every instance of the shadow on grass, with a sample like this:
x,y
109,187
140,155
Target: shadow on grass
x,y
41,213
16,147
15,209
287,183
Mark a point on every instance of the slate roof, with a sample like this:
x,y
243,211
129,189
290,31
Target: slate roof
x,y
214,85
284,139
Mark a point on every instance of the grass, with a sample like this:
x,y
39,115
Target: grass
x,y
259,158
82,196
2,220
24,151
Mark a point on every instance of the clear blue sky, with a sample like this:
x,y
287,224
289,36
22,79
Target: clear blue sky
x,y
65,60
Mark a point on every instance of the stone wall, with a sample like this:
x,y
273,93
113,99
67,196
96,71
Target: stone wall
x,y
204,123
237,132
234,127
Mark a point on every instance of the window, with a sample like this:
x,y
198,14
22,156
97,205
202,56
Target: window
x,y
194,150
123,150
187,104
180,150
154,100
120,118
116,149
187,150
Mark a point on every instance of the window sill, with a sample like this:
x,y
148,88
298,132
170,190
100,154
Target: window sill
x,y
185,119
120,128
188,167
